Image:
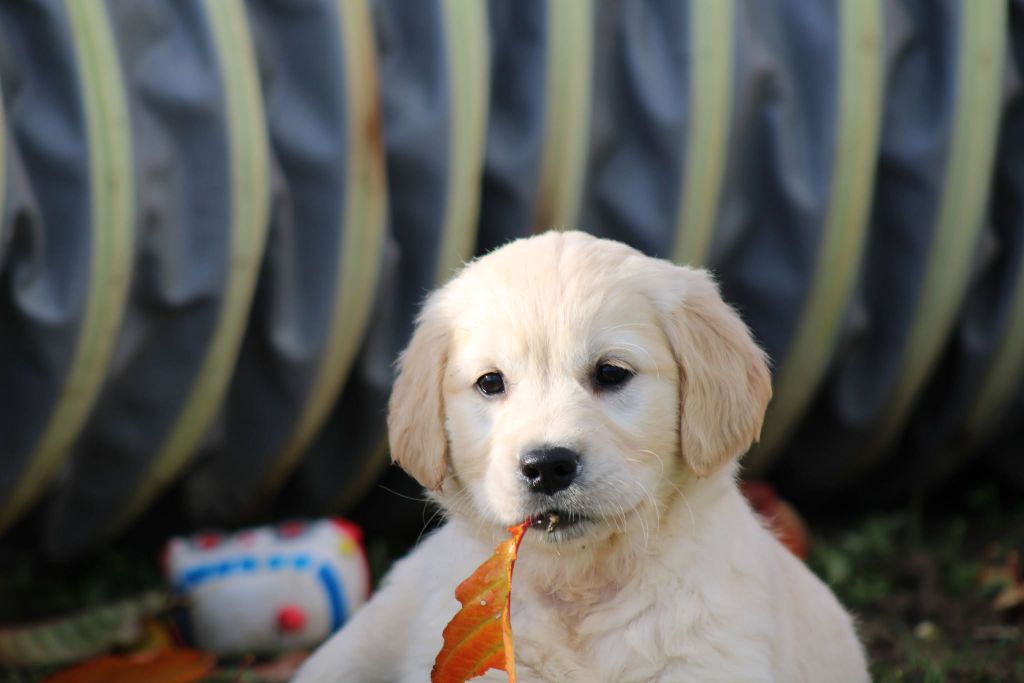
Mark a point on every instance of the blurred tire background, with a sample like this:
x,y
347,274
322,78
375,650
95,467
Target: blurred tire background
x,y
218,219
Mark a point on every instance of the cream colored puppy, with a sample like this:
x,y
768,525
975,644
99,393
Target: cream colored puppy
x,y
572,375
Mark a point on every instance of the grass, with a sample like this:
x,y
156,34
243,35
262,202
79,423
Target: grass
x,y
31,590
915,583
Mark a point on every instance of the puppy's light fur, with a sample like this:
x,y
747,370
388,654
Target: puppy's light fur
x,y
670,577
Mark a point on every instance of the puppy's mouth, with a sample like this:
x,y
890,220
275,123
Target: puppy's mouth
x,y
559,524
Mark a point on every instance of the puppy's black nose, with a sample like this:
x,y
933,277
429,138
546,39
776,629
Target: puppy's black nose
x,y
549,470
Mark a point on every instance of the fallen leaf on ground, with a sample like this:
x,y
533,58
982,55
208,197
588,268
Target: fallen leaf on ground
x,y
282,669
156,634
479,636
1004,577
162,666
784,521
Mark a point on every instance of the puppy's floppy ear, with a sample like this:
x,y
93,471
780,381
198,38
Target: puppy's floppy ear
x,y
416,432
725,384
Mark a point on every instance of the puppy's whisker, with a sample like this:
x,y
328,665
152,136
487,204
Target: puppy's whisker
x,y
414,499
623,515
617,514
689,508
661,460
656,507
650,496
426,525
644,526
647,499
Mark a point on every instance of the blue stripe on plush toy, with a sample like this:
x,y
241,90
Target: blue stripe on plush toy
x,y
335,595
246,565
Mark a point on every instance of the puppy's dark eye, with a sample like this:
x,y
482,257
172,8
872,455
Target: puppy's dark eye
x,y
491,384
608,376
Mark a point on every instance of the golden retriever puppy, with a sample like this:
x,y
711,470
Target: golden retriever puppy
x,y
565,374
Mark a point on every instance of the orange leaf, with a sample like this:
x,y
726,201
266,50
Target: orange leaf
x,y
162,666
780,517
479,636
1003,576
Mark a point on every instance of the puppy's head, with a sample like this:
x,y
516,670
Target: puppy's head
x,y
572,376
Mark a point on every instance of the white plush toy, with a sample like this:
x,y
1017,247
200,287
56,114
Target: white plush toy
x,y
270,588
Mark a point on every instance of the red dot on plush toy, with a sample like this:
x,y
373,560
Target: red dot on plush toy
x,y
207,541
290,529
290,618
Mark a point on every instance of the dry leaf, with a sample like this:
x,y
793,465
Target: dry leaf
x,y
160,666
781,518
157,634
1003,577
479,636
282,669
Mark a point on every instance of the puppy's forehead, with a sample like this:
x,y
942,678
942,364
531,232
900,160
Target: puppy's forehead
x,y
572,292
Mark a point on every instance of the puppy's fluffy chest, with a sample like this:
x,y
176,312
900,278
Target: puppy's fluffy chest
x,y
649,622
566,636
637,639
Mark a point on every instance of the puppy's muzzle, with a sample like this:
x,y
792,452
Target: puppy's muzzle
x,y
550,469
